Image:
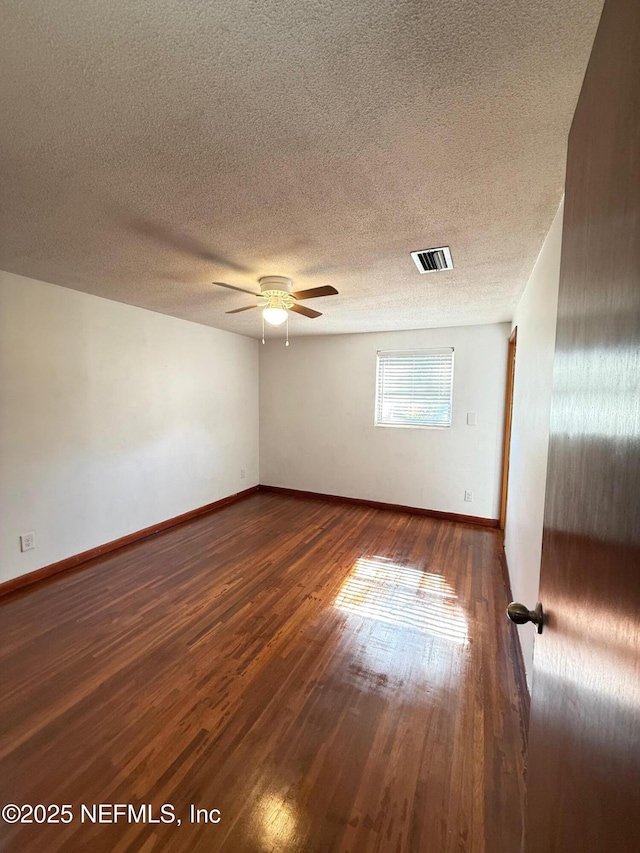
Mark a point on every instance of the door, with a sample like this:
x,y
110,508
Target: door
x,y
583,775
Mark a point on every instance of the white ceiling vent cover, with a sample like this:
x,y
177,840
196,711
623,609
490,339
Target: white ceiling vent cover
x,y
433,260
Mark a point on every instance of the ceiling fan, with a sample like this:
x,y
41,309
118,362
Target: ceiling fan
x,y
277,298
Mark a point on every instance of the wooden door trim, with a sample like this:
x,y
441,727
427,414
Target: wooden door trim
x,y
508,419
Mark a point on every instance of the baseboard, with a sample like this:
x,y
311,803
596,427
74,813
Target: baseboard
x,y
518,657
432,513
78,559
85,556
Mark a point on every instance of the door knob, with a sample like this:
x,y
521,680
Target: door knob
x,y
520,614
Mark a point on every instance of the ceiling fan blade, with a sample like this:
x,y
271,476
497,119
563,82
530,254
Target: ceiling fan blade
x,y
308,312
246,308
234,287
327,290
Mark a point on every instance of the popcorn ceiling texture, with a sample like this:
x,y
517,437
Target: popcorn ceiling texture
x,y
150,147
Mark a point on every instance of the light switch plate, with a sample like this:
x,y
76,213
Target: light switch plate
x,y
472,419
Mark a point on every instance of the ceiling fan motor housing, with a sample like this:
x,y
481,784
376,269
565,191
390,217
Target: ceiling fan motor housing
x,y
275,282
276,291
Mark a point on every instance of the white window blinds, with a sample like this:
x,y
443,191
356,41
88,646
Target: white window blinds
x,y
415,388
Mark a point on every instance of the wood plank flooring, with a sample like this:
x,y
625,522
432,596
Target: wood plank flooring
x,y
332,679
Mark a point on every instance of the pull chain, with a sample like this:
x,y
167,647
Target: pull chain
x,y
263,329
287,343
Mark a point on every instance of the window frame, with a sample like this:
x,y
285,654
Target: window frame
x,y
404,354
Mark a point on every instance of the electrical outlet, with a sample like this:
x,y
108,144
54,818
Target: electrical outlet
x,y
243,473
28,541
468,495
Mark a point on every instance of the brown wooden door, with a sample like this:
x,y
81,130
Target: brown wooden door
x,y
583,777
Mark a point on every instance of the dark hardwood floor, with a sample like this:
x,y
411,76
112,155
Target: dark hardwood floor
x,y
330,678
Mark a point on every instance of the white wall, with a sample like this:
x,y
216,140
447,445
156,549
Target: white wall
x,y
113,418
535,318
317,410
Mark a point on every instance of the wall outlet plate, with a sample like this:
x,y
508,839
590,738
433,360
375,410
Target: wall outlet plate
x,y
243,473
28,541
472,419
468,495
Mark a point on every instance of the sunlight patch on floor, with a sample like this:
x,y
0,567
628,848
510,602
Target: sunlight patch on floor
x,y
398,595
277,823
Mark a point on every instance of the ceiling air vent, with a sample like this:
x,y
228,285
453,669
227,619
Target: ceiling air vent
x,y
433,260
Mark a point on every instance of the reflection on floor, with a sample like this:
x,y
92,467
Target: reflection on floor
x,y
380,589
276,823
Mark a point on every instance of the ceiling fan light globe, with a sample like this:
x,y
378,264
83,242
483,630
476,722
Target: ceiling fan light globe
x,y
274,316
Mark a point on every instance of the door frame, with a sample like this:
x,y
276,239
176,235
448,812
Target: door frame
x,y
508,419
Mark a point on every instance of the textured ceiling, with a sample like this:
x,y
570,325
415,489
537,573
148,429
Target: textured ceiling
x,y
150,147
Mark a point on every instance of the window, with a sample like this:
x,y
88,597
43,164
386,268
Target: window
x,y
415,388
